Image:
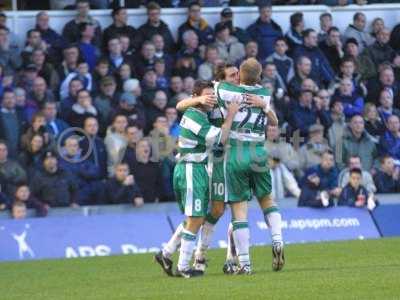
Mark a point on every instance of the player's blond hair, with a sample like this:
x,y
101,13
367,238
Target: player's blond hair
x,y
250,71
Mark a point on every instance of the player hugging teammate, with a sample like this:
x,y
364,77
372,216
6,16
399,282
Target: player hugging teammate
x,y
238,171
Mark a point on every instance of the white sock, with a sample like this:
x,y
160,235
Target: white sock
x,y
231,244
188,243
274,221
174,242
206,233
241,237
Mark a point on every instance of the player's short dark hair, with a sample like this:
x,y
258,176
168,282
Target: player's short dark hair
x,y
296,19
356,171
201,85
220,71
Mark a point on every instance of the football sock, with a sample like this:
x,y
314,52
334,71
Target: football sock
x,y
206,233
273,220
241,237
174,242
230,251
188,243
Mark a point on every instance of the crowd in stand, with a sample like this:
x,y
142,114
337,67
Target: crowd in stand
x,y
337,96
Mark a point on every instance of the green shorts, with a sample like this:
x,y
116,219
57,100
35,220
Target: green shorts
x,y
191,187
243,172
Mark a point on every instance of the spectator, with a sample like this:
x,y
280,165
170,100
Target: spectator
x,y
54,41
82,109
305,113
303,71
18,210
294,35
31,157
357,142
90,53
270,75
283,63
354,193
145,59
69,63
206,69
172,118
332,48
366,177
123,73
33,41
250,50
163,144
386,109
115,56
9,59
66,103
239,33
282,180
54,125
377,25
39,95
353,104
44,69
229,48
264,31
161,53
336,130
373,124
147,173
364,66
132,109
119,26
106,100
162,80
380,51
98,152
84,173
387,179
310,154
82,73
325,23
196,23
320,67
13,38
53,186
386,80
157,108
71,29
134,134
115,142
37,126
358,32
155,25
23,195
389,143
190,48
11,122
11,171
320,183
122,188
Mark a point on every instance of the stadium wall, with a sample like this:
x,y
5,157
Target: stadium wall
x,y
21,21
145,230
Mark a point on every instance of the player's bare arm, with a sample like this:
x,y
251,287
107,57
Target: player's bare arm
x,y
226,126
206,100
258,101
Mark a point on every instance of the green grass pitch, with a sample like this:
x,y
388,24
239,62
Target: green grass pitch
x,y
368,269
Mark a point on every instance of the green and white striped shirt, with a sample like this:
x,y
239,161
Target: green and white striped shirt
x,y
197,136
249,123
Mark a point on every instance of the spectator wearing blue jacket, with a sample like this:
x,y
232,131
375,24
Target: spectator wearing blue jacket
x,y
54,125
90,52
389,143
353,104
294,35
320,65
320,179
196,23
387,177
265,32
85,173
305,113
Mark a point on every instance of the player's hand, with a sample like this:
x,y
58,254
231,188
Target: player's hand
x,y
233,107
208,100
138,201
255,101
